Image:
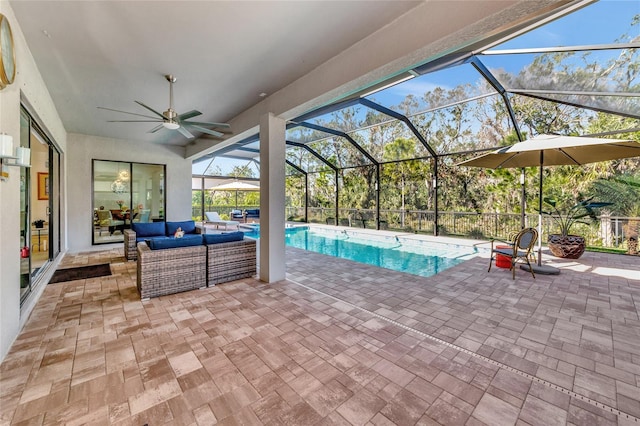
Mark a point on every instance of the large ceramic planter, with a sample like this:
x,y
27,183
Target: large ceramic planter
x,y
566,246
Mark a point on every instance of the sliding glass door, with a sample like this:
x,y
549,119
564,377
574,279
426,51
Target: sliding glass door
x,y
125,193
39,204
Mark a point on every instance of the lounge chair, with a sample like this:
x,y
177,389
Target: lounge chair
x,y
214,218
520,248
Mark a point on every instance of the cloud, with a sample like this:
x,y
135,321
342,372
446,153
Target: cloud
x,y
415,87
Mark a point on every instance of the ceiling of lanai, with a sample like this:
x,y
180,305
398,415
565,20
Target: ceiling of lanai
x,y
225,54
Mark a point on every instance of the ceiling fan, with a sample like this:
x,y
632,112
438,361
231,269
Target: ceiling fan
x,y
171,120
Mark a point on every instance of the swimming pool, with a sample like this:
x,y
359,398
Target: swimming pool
x,y
424,258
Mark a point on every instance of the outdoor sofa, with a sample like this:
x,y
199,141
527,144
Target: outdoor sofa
x,y
171,265
245,216
170,270
146,231
251,214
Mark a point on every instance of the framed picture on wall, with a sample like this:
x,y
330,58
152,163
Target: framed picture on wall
x,y
43,186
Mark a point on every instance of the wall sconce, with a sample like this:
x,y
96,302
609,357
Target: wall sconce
x,y
6,146
22,155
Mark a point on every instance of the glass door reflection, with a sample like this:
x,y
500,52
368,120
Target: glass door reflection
x,y
124,193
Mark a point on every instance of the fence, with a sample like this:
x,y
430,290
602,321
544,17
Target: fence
x,y
607,231
223,211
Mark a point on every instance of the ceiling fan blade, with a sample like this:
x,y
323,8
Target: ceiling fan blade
x,y
207,131
186,115
155,129
185,132
207,123
125,112
150,109
133,121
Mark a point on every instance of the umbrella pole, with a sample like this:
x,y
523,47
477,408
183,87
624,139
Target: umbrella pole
x,y
540,211
523,202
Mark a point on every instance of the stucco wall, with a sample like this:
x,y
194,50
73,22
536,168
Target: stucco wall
x,y
84,148
30,84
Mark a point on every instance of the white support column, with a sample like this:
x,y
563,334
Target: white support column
x,y
272,201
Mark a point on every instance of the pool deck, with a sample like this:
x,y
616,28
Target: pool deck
x,y
337,342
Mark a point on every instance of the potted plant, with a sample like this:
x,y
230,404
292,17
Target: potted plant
x,y
624,192
564,244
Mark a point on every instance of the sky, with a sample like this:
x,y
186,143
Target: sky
x,y
600,23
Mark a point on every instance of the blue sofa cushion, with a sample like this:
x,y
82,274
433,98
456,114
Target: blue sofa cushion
x,y
148,229
188,226
164,237
223,238
169,242
253,212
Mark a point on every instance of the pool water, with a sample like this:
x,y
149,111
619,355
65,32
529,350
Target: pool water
x,y
424,258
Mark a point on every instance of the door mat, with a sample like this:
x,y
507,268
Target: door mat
x,y
80,273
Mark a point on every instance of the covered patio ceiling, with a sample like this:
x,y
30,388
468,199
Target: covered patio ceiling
x,y
593,71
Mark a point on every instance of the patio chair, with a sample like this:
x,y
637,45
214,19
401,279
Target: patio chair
x,y
237,214
106,220
520,248
215,219
144,216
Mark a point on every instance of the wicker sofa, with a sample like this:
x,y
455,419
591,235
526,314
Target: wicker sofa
x,y
218,258
154,230
170,270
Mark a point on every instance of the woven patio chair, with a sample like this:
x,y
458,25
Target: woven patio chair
x,y
521,248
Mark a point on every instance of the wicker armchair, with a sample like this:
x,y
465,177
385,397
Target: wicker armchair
x,y
230,261
172,270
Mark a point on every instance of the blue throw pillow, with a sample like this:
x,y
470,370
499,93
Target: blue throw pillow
x,y
165,243
223,238
148,229
188,226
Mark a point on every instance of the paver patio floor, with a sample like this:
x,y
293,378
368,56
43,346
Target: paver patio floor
x,y
336,343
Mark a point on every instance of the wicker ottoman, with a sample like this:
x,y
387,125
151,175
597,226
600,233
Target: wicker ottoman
x,y
171,270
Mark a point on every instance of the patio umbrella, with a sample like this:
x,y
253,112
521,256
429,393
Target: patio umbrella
x,y
555,150
236,186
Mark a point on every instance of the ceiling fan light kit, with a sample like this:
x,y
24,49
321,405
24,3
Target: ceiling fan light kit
x,y
171,120
171,125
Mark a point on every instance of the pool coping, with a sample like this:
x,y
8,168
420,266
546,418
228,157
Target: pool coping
x,y
481,244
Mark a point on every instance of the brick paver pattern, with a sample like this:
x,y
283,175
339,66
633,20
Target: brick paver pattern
x,y
337,343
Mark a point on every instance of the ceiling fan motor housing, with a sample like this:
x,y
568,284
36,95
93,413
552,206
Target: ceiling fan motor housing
x,y
170,114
